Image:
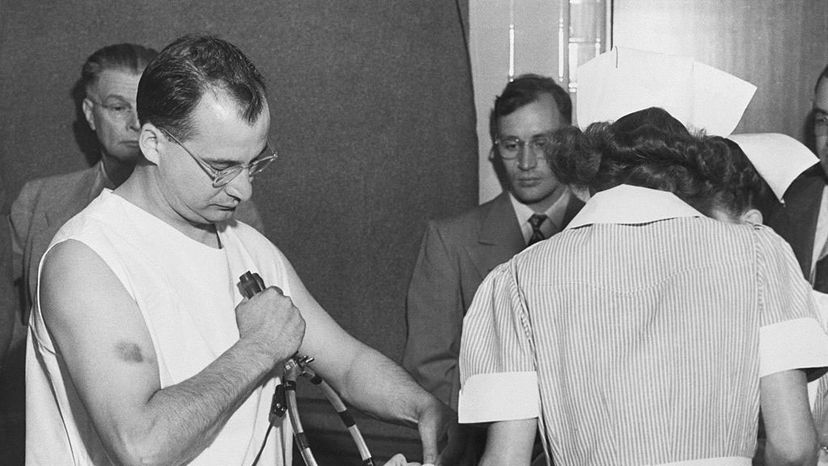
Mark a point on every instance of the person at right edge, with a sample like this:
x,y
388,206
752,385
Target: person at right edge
x,y
803,220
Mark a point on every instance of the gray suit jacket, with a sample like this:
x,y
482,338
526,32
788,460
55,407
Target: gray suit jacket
x,y
455,256
44,205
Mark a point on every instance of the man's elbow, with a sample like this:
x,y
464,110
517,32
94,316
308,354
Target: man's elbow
x,y
146,450
136,453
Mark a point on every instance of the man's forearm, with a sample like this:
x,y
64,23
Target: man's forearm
x,y
181,420
377,386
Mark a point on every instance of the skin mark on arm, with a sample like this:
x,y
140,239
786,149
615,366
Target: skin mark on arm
x,y
129,352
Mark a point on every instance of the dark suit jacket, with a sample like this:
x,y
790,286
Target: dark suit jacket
x,y
8,301
455,256
44,205
796,221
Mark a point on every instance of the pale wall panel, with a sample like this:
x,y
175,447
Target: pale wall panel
x,y
780,46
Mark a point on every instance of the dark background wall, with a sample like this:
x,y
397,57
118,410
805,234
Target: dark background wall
x,y
372,115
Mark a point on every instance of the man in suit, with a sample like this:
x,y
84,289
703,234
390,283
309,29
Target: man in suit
x,y
457,253
803,220
109,78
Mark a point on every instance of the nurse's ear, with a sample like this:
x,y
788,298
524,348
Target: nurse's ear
x,y
752,216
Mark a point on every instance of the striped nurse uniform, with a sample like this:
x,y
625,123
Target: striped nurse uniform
x,y
639,334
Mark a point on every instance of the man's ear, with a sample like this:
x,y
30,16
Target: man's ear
x,y
149,141
87,113
499,169
752,216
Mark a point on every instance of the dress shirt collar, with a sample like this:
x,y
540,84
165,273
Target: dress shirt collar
x,y
104,177
555,213
626,204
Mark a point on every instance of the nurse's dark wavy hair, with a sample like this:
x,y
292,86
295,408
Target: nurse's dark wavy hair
x,y
650,148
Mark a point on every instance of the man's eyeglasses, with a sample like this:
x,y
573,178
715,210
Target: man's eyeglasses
x,y
118,110
510,147
222,177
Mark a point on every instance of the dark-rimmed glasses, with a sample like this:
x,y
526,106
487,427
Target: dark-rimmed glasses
x,y
222,177
510,147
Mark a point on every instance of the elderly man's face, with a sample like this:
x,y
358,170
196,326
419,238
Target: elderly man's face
x,y
821,121
528,175
109,108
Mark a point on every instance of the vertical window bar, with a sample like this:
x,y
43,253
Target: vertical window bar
x,y
511,40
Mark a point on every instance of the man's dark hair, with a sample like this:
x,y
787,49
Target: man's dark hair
x,y
524,90
174,83
127,57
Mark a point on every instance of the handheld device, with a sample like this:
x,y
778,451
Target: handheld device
x,y
284,398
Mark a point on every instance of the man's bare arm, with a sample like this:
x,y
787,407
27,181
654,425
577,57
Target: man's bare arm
x,y
100,333
367,379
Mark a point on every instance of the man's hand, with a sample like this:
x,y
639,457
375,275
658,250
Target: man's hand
x,y
399,460
434,424
270,320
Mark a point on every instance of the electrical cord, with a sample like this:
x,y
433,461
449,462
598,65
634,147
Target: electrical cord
x,y
284,396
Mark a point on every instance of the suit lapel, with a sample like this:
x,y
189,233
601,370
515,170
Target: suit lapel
x,y
499,236
572,208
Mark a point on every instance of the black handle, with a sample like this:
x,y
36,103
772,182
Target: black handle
x,y
250,283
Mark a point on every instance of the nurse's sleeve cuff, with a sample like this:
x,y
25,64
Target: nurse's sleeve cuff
x,y
792,344
501,396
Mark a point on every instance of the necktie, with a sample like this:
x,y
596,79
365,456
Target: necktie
x,y
536,221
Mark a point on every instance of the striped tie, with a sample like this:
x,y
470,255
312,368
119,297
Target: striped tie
x,y
536,221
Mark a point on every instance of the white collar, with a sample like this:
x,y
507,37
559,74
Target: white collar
x,y
555,212
107,182
626,204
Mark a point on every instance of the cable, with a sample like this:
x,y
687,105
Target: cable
x,y
344,415
261,449
284,396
